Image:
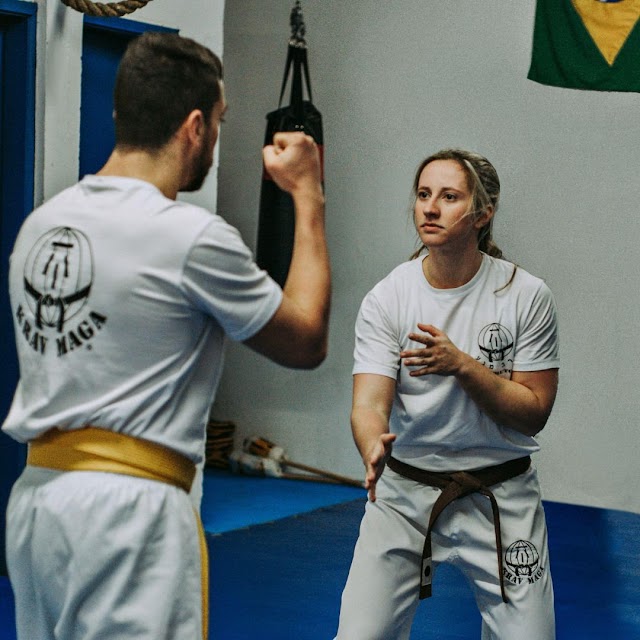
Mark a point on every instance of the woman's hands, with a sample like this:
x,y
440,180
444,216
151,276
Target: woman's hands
x,y
372,400
522,403
375,462
437,355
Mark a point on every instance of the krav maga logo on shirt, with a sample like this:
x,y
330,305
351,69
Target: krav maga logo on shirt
x,y
58,276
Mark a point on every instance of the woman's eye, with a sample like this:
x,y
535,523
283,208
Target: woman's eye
x,y
423,194
450,197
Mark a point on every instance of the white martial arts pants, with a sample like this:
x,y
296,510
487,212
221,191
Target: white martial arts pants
x,y
102,556
381,595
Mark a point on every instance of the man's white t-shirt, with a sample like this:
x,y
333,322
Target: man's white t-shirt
x,y
438,426
121,300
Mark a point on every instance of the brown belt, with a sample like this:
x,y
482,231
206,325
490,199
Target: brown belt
x,y
454,485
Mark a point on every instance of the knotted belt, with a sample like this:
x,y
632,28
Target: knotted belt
x,y
454,485
95,449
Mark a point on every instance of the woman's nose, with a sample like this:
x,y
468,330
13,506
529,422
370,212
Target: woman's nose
x,y
430,208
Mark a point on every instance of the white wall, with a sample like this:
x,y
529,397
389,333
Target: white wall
x,y
396,81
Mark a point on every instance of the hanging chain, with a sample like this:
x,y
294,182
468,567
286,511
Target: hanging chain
x,y
297,26
108,10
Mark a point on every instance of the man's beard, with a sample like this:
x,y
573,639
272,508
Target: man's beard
x,y
200,171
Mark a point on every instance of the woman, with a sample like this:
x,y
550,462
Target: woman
x,y
456,370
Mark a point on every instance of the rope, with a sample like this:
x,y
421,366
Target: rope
x,y
108,10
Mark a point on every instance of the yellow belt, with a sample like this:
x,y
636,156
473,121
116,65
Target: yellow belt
x,y
94,449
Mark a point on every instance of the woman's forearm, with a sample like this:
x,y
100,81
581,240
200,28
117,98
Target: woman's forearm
x,y
522,403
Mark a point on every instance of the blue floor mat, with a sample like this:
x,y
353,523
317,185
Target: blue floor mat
x,y
280,553
283,580
236,501
595,563
7,616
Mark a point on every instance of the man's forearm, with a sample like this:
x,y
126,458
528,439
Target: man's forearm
x,y
308,283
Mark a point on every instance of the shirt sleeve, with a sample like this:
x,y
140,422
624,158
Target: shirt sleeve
x,y
537,346
377,348
223,280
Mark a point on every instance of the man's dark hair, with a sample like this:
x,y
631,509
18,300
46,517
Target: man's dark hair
x,y
162,78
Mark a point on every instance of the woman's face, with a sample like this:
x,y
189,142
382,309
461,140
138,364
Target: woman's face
x,y
443,199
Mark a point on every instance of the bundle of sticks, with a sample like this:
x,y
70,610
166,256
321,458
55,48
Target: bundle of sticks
x,y
251,465
259,456
268,458
219,443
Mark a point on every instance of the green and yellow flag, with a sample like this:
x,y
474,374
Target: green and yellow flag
x,y
587,44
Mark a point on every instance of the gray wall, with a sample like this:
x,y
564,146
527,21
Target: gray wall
x,y
396,81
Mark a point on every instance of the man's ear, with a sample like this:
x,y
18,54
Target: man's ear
x,y
194,126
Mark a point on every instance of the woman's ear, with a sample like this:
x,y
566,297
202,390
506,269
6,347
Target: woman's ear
x,y
485,217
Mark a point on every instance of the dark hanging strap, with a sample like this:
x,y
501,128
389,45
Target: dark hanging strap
x,y
454,486
297,104
296,58
287,68
305,66
296,63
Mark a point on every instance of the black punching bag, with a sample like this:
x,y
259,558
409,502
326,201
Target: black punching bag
x,y
276,223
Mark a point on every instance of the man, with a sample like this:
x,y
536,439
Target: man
x,y
122,298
